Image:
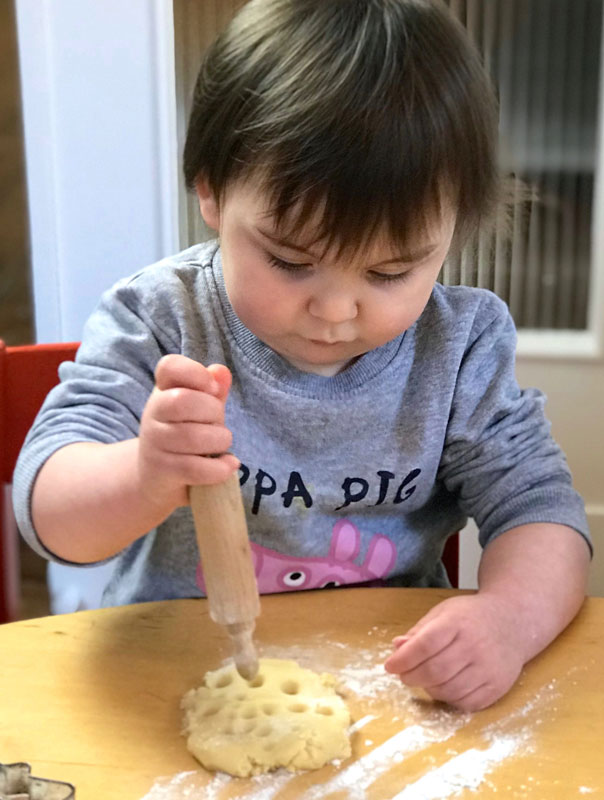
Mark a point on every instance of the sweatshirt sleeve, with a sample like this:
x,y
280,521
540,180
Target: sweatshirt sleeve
x,y
499,457
101,395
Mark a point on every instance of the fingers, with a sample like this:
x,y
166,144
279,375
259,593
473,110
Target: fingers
x,y
447,677
222,376
193,470
183,438
193,438
189,391
416,651
185,414
176,371
468,690
479,698
436,671
187,405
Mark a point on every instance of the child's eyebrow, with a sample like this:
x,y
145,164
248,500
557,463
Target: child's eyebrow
x,y
410,257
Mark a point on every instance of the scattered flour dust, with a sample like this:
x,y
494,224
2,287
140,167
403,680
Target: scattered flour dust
x,y
465,771
426,724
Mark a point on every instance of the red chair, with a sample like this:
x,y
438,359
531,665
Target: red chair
x,y
27,374
451,559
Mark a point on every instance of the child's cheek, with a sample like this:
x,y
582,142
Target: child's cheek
x,y
256,306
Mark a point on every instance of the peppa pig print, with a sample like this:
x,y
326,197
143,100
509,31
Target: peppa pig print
x,y
276,572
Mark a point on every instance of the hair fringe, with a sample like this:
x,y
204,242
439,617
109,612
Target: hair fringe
x,y
368,114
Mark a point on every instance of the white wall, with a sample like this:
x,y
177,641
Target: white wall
x,y
100,145
99,110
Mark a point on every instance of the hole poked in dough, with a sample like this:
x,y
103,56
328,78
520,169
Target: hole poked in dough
x,y
298,708
290,687
326,710
257,682
269,709
211,710
223,681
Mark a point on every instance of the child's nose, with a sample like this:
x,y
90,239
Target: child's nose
x,y
333,306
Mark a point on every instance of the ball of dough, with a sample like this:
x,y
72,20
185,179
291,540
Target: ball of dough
x,y
287,716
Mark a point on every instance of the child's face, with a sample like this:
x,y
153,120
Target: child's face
x,y
318,311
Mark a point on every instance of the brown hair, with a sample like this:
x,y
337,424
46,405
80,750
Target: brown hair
x,y
370,112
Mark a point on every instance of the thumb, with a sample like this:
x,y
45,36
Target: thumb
x,y
222,376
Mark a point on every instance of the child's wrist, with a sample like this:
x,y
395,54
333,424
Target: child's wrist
x,y
512,619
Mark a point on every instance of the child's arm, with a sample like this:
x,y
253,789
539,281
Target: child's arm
x,y
469,650
90,500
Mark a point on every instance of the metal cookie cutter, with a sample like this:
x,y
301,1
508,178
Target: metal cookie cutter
x,y
17,783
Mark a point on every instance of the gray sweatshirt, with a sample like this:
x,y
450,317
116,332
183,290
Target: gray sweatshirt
x,y
355,478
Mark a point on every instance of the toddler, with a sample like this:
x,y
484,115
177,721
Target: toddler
x,y
340,149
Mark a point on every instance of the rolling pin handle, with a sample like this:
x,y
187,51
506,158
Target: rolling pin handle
x,y
244,651
228,567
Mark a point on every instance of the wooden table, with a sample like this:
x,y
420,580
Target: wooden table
x,y
93,698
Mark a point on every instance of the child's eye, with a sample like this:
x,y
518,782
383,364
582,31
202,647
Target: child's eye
x,y
389,277
287,266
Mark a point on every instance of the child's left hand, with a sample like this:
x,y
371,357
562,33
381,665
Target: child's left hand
x,y
465,651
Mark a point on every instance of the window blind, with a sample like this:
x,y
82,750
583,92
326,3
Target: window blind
x,y
544,60
196,24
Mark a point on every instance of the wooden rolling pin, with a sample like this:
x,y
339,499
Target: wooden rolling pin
x,y
228,570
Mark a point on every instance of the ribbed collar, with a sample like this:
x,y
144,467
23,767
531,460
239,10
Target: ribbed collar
x,y
278,369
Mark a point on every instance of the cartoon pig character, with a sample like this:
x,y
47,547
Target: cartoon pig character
x,y
283,573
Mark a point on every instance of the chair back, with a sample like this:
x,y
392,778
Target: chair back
x,y
27,374
451,559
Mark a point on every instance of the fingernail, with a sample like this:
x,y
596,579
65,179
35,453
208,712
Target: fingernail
x,y
399,640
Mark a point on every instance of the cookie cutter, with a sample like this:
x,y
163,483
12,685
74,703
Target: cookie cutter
x,y
17,783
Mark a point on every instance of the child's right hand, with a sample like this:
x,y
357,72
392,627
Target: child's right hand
x,y
183,438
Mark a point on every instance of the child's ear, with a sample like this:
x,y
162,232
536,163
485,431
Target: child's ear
x,y
208,204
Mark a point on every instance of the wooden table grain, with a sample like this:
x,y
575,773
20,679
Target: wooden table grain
x,y
93,698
